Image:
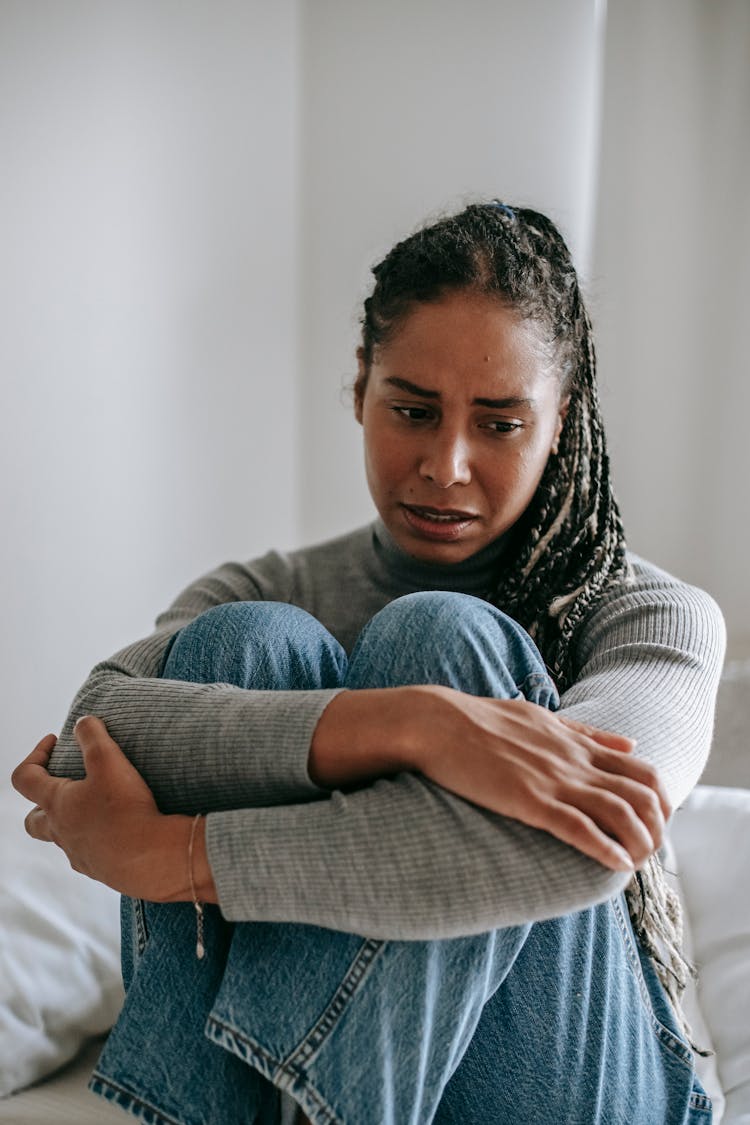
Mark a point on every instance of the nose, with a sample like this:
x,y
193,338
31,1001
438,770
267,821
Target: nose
x,y
446,460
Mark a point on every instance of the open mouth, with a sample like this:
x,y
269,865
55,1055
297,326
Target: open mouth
x,y
441,523
440,515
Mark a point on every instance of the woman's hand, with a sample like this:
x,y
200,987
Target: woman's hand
x,y
580,784
108,824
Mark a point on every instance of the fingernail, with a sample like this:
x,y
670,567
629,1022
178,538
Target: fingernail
x,y
80,720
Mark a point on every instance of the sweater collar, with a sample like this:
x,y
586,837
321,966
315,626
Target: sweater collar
x,y
476,575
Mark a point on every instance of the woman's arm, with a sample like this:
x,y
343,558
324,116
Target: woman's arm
x,y
649,663
405,858
202,746
582,785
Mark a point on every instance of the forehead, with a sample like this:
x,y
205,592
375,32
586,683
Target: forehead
x,y
467,341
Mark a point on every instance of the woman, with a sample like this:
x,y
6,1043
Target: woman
x,y
394,760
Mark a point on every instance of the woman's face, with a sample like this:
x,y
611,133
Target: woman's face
x,y
460,411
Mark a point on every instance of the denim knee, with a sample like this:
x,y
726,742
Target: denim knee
x,y
457,640
259,645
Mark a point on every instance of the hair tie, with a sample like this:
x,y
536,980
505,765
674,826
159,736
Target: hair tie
x,y
503,207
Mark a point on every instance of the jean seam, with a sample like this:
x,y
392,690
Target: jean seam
x,y
284,1075
126,1100
665,1036
700,1102
354,978
141,927
291,1073
314,1039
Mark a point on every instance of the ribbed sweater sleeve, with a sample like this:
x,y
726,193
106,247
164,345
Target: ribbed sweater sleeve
x,y
648,667
200,746
401,858
405,859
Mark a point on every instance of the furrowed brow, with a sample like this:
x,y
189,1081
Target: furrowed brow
x,y
411,388
504,403
491,403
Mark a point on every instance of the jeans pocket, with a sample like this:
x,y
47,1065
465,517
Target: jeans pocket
x,y
656,1004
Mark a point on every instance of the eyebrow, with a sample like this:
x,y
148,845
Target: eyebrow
x,y
492,403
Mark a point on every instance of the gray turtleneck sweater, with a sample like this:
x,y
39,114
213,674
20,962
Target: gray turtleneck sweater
x,y
401,858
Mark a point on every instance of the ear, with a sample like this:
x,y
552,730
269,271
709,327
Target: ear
x,y
359,385
561,416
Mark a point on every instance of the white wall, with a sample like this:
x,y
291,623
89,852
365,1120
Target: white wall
x,y
406,109
672,286
147,356
192,194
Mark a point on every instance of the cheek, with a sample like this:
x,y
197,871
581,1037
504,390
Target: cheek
x,y
538,452
521,479
513,480
384,459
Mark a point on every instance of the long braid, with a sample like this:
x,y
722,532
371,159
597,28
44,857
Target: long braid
x,y
576,543
569,545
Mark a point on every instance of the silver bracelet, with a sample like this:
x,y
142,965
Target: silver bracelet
x,y
200,949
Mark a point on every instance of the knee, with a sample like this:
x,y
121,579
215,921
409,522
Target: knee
x,y
453,639
225,627
416,639
261,645
439,617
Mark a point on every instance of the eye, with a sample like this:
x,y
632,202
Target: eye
x,y
499,426
412,413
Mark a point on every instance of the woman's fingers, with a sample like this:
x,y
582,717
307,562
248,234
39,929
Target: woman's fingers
x,y
637,826
613,764
616,757
609,738
37,825
643,804
613,825
103,760
107,823
580,784
30,777
622,795
574,827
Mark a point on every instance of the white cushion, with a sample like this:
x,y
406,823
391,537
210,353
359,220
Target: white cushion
x,y
60,977
711,836
706,1064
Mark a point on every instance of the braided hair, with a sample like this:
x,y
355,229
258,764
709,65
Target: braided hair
x,y
569,545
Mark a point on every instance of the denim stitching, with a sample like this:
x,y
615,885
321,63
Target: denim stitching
x,y
315,1038
700,1102
111,1092
667,1037
141,928
291,1073
285,1077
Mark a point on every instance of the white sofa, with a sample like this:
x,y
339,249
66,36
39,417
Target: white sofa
x,y
60,986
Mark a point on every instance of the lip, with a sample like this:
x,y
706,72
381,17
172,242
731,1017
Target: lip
x,y
417,516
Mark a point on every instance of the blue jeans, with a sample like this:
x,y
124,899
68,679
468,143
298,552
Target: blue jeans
x,y
558,1022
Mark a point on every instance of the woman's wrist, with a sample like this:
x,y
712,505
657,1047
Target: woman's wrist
x,y
182,857
368,733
